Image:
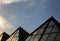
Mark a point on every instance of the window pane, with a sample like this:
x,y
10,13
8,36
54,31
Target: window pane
x,y
44,37
40,31
51,23
44,26
1,37
14,37
28,38
48,30
37,38
58,37
51,37
32,38
55,29
36,32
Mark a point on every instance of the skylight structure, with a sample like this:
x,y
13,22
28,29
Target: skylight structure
x,y
4,36
19,35
48,31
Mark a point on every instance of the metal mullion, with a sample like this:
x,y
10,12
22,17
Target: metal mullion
x,y
56,35
50,32
36,35
30,37
44,31
14,35
19,35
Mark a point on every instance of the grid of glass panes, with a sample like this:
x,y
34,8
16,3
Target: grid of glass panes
x,y
51,33
14,37
37,34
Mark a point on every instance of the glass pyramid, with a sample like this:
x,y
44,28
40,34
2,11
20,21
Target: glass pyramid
x,y
1,37
4,36
48,31
19,35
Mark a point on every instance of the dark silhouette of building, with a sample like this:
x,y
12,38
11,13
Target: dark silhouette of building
x,y
48,31
5,36
19,35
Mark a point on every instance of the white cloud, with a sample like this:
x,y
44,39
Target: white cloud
x,y
31,4
4,24
9,1
43,2
26,16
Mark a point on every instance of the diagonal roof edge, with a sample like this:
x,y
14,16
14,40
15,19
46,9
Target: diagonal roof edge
x,y
5,36
51,18
5,33
20,28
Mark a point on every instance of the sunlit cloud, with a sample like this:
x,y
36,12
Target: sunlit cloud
x,y
7,14
10,1
4,24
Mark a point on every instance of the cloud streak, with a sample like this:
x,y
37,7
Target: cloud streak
x,y
10,1
36,2
43,2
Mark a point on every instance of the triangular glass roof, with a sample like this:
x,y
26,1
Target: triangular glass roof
x,y
19,35
48,31
1,37
4,36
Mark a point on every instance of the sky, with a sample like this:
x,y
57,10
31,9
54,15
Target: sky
x,y
29,14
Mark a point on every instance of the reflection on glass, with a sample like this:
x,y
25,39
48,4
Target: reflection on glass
x,y
14,37
48,32
1,37
44,37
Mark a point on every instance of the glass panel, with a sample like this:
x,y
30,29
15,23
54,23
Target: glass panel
x,y
40,31
51,23
36,32
48,30
37,38
58,37
51,37
44,37
32,38
44,25
55,29
1,37
28,39
14,37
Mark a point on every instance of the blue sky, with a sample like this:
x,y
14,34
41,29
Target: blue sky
x,y
29,14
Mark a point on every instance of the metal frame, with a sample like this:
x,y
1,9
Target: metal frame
x,y
22,35
49,20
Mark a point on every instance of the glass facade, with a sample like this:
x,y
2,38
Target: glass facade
x,y
1,37
19,35
14,37
49,31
